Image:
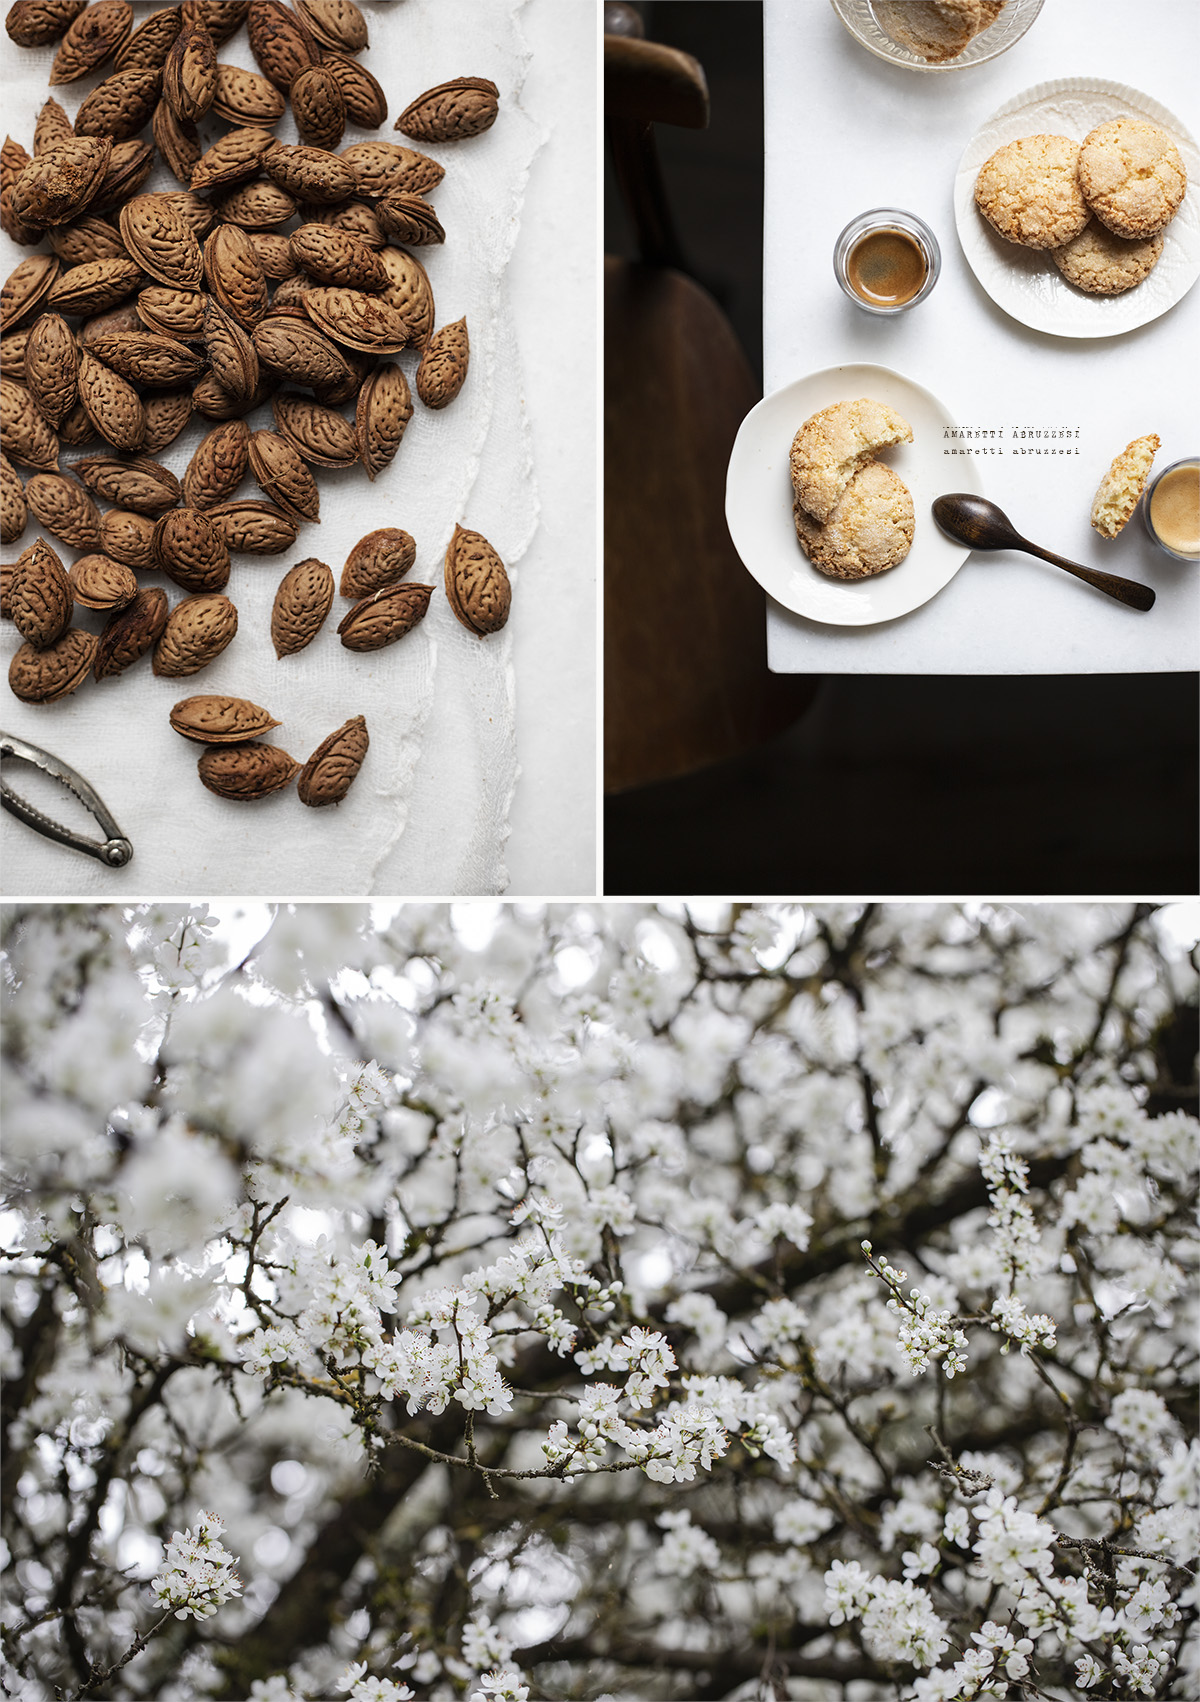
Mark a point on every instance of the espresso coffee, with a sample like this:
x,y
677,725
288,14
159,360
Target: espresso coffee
x,y
886,268
1175,510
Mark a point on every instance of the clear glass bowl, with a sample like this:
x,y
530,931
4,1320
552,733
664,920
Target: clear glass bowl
x,y
859,18
1148,497
887,218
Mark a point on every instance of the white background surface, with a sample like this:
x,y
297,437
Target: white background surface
x,y
845,132
443,737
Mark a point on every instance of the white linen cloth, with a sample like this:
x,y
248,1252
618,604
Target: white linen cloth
x,y
429,812
845,132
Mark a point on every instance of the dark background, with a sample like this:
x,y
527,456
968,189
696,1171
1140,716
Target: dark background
x,y
893,785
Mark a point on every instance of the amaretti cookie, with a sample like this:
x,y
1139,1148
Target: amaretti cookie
x,y
1122,485
1104,264
830,447
1029,191
869,530
935,30
1132,176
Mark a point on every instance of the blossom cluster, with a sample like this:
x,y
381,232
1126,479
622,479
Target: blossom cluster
x,y
198,1573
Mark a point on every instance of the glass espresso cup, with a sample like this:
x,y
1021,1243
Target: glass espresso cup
x,y
887,260
1171,510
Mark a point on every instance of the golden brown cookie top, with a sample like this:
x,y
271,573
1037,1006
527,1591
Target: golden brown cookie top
x,y
869,531
1029,191
1132,176
1104,264
830,447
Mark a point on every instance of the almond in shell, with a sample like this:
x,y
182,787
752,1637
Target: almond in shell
x,y
297,351
477,586
14,515
335,24
215,720
190,73
321,435
197,631
383,412
27,285
465,106
309,174
231,354
304,598
366,103
147,48
173,313
24,434
409,292
160,238
234,158
386,616
167,413
130,632
408,218
234,274
246,772
379,559
258,207
44,676
283,475
85,240
52,367
128,538
319,107
178,141
141,485
63,507
40,597
255,528
331,256
191,549
36,23
13,160
147,358
112,405
244,98
99,31
98,582
94,287
221,18
279,42
51,127
443,368
383,167
332,768
122,105
129,165
218,465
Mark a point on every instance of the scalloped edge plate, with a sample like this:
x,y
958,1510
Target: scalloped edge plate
x,y
758,498
1025,282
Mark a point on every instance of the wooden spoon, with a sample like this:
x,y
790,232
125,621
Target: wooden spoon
x,y
976,521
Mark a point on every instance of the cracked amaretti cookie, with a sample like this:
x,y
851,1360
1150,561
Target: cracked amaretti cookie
x,y
869,530
1122,486
1104,264
1132,176
830,447
1029,191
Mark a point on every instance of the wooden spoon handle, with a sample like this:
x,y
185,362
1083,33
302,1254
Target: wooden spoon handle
x,y
1126,591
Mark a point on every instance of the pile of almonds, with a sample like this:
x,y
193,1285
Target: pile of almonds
x,y
275,273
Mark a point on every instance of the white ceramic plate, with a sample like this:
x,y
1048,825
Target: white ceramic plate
x,y
1025,282
758,498
859,18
